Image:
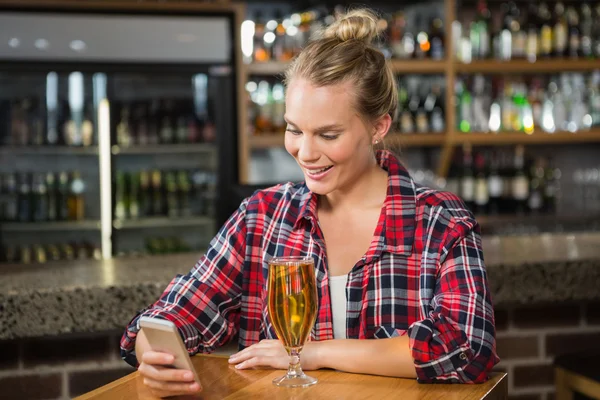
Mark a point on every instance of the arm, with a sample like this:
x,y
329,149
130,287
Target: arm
x,y
203,304
387,357
456,341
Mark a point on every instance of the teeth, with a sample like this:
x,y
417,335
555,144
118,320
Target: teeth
x,y
318,171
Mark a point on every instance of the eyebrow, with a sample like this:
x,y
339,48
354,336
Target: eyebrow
x,y
321,129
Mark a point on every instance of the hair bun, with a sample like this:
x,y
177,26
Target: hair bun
x,y
355,25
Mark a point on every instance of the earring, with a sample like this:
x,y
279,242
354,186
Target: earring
x,y
376,141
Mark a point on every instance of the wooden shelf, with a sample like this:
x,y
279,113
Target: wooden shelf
x,y
418,66
398,66
266,140
415,139
161,222
54,226
164,149
49,150
524,66
538,137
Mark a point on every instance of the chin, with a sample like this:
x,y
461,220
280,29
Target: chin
x,y
319,188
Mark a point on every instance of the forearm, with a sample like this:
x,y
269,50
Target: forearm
x,y
387,357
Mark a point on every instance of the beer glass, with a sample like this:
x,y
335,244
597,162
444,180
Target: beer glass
x,y
292,292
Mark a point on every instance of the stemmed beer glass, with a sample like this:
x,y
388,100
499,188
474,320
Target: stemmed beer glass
x,y
292,292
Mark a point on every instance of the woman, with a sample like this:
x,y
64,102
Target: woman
x,y
394,261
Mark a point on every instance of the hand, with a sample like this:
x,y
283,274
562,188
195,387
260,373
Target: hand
x,y
163,381
271,353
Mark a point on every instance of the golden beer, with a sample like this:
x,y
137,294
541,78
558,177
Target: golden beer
x,y
292,297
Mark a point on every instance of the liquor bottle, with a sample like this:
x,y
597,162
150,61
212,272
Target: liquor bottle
x,y
183,189
519,34
181,132
124,129
75,201
574,34
157,193
481,196
40,198
68,252
172,201
405,120
264,100
434,108
167,131
596,32
495,186
52,108
210,193
505,41
423,45
24,197
453,181
53,253
587,27
436,39
559,33
87,128
396,32
278,120
134,195
546,31
465,108
552,187
39,254
63,195
120,196
520,182
11,210
535,203
532,48
36,121
145,197
25,256
260,52
73,134
153,123
141,125
467,184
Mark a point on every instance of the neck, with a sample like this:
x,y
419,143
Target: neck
x,y
367,192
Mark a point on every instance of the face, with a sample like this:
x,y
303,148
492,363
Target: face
x,y
326,136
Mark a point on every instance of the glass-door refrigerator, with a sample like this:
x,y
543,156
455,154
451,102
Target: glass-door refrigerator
x,y
117,131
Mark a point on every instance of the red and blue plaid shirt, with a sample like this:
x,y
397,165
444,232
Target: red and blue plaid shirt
x,y
422,276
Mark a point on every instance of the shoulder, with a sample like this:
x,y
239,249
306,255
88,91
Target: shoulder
x,y
445,207
289,196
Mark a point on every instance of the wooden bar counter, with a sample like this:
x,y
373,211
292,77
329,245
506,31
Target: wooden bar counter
x,y
222,381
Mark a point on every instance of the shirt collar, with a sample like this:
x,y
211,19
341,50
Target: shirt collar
x,y
400,206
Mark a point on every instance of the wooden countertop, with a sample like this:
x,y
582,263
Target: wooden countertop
x,y
222,381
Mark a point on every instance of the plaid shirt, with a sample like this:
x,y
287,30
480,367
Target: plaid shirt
x,y
422,276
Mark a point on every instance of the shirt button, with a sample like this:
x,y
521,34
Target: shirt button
x,y
463,356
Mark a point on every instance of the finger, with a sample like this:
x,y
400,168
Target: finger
x,y
172,388
264,361
165,374
263,344
157,358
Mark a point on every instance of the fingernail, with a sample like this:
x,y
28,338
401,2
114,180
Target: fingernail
x,y
194,386
169,359
188,375
238,366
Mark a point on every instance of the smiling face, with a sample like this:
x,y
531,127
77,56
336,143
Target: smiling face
x,y
326,136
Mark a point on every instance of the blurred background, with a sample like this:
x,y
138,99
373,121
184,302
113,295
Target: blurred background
x,y
130,130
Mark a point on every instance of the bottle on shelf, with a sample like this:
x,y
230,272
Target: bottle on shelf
x,y
467,180
481,198
495,185
560,31
120,196
40,198
11,197
75,200
25,212
64,189
520,182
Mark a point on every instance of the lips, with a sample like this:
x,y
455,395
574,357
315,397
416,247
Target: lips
x,y
317,173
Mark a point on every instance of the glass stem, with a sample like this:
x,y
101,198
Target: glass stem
x,y
294,369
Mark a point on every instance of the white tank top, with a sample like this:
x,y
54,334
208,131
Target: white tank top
x,y
337,293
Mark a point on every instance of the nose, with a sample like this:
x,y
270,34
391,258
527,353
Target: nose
x,y
307,149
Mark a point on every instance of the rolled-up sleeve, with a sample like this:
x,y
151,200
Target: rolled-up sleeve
x,y
204,304
455,343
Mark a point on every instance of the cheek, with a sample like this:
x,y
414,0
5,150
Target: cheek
x,y
291,145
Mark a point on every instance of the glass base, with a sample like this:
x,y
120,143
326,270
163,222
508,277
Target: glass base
x,y
295,381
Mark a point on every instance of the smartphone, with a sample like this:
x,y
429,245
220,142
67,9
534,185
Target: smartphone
x,y
163,336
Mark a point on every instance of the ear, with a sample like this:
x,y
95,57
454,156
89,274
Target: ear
x,y
381,127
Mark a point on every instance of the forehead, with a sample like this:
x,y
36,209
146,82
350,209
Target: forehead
x,y
306,102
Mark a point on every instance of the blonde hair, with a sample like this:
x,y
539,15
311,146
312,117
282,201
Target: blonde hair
x,y
343,52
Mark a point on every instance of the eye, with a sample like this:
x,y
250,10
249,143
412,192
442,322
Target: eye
x,y
293,132
330,137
